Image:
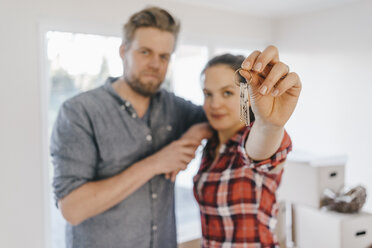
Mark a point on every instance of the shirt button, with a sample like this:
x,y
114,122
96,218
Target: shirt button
x,y
169,128
127,104
134,115
154,196
122,107
154,228
149,137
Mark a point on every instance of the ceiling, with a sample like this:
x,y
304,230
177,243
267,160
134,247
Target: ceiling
x,y
269,8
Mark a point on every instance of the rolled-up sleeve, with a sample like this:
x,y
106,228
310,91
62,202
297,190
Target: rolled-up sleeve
x,y
73,149
279,156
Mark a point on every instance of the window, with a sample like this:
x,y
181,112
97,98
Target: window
x,y
189,62
79,62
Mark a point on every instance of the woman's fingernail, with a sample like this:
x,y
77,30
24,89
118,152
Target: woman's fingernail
x,y
263,90
245,65
275,92
257,67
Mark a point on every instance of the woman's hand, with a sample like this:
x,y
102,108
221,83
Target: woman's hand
x,y
274,90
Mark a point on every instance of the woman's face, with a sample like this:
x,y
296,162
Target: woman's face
x,y
221,98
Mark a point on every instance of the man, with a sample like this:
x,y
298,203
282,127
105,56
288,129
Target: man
x,y
111,146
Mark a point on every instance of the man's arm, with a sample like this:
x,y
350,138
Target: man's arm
x,y
75,155
187,112
95,197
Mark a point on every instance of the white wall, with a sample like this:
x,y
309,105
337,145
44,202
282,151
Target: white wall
x,y
23,153
331,50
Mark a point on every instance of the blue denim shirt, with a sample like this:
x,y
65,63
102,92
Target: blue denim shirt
x,y
97,135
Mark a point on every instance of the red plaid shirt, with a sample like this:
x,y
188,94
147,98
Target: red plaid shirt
x,y
236,195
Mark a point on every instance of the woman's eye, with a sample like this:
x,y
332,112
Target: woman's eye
x,y
207,94
227,93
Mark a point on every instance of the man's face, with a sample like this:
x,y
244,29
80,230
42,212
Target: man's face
x,y
146,59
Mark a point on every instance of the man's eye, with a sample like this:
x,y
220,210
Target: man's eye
x,y
145,52
165,58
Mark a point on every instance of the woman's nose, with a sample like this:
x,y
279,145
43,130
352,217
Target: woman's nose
x,y
216,102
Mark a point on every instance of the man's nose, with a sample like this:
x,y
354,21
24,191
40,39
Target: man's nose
x,y
155,62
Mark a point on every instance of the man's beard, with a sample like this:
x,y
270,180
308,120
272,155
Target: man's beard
x,y
141,88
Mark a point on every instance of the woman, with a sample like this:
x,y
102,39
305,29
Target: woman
x,y
240,169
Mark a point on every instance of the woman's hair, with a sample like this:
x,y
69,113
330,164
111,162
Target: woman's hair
x,y
232,61
150,17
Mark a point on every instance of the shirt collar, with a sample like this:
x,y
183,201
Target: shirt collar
x,y
236,139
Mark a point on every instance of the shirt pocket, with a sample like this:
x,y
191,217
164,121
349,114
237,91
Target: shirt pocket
x,y
164,135
118,147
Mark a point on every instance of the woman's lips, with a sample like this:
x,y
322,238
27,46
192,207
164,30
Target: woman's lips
x,y
218,116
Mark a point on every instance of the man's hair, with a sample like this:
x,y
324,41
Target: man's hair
x,y
234,62
150,17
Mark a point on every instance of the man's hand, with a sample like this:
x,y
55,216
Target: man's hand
x,y
174,156
197,132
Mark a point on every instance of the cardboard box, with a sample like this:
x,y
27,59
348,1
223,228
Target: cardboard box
x,y
306,177
324,229
283,229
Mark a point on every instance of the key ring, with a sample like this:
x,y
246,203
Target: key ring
x,y
236,79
